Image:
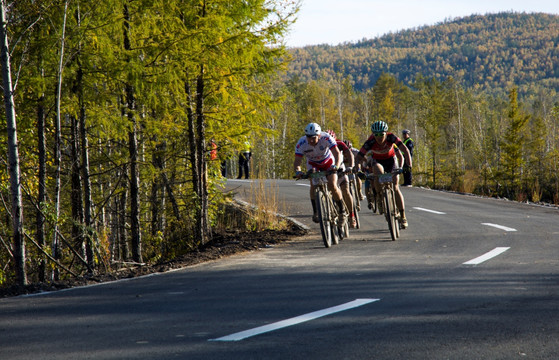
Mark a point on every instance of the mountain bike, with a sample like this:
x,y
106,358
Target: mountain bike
x,y
388,201
332,229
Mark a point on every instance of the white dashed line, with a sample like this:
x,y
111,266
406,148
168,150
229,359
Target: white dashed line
x,y
431,211
293,321
499,227
487,256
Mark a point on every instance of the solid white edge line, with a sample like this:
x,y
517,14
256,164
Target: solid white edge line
x,y
487,256
431,211
293,321
499,227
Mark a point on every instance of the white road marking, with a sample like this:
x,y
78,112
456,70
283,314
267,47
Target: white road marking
x,y
487,256
499,227
431,211
293,321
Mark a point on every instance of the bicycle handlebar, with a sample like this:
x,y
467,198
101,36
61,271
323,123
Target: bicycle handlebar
x,y
312,173
372,176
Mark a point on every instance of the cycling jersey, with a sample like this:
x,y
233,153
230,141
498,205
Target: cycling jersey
x,y
381,151
342,147
318,156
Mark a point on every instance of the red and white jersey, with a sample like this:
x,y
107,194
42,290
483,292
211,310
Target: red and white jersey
x,y
318,154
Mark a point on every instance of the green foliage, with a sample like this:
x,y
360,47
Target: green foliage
x,y
234,48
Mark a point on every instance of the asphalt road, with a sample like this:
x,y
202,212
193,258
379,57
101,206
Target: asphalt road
x,y
472,278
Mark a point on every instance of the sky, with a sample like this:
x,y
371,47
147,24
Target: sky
x,y
337,21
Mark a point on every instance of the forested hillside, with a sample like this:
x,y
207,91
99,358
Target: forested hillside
x,y
491,52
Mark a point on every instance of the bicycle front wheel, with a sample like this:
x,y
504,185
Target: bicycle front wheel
x,y
324,217
336,233
396,212
389,214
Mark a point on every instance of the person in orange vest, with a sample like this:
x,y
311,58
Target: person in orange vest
x,y
213,150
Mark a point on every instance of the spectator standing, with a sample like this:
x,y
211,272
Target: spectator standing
x,y
244,160
408,141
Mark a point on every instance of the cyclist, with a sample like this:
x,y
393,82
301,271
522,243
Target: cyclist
x,y
356,167
381,144
343,181
321,152
368,165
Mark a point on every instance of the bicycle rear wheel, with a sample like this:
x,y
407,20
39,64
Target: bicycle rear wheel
x,y
337,234
372,197
356,202
389,214
324,217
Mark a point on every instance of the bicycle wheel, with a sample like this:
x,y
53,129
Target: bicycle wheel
x,y
389,213
356,203
372,198
344,230
336,233
355,194
396,216
324,217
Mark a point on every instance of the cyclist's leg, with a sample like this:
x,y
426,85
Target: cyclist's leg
x,y
400,202
314,206
348,199
337,194
359,186
313,200
378,169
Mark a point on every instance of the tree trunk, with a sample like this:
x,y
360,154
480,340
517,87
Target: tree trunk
x,y
76,193
157,197
13,155
133,150
42,188
84,142
202,223
57,144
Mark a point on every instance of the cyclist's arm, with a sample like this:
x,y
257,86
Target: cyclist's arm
x,y
348,155
359,159
399,156
297,163
336,152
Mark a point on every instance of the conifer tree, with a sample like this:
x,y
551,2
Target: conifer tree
x,y
513,145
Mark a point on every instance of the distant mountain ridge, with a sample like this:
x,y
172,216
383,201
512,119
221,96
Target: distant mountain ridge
x,y
491,52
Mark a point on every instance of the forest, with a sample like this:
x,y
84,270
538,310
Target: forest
x,y
111,108
492,52
125,110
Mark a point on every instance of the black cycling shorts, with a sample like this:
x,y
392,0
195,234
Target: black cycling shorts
x,y
387,164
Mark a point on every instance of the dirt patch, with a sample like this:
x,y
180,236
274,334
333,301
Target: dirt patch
x,y
222,245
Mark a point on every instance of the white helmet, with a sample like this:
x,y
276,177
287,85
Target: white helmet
x,y
312,129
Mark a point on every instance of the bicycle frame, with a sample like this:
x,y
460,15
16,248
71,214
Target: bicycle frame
x,y
328,214
388,199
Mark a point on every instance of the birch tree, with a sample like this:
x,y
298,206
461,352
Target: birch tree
x,y
13,154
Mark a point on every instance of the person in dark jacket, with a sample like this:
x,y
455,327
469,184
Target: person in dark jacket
x,y
244,160
408,141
